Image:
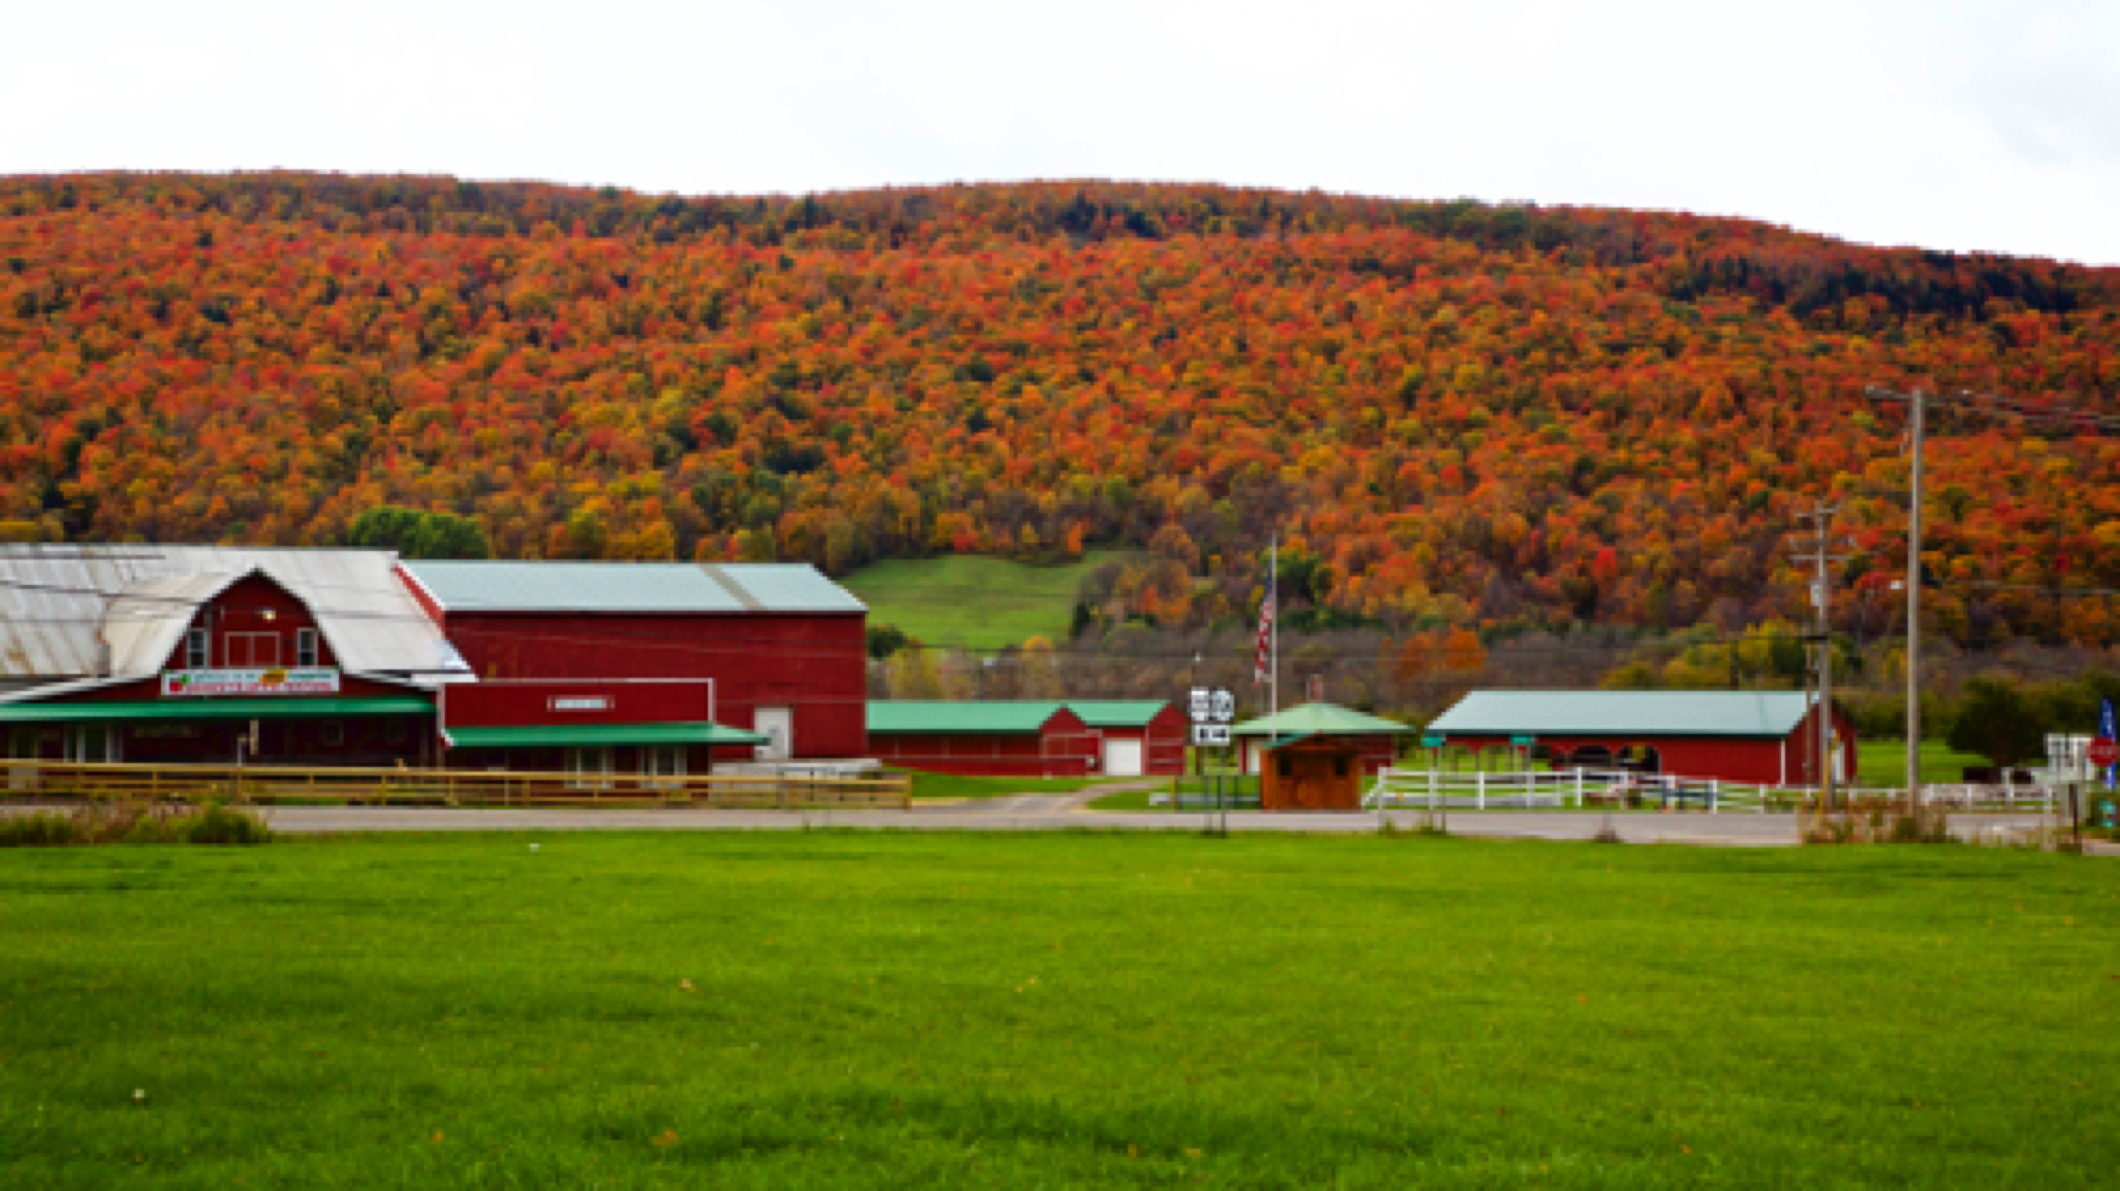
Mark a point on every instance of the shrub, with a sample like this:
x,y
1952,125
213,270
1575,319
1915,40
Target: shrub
x,y
40,829
218,824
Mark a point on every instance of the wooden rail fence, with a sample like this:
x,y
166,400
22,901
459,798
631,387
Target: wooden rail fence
x,y
446,787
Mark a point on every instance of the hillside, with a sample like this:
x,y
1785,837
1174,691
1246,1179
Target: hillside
x,y
977,602
1451,413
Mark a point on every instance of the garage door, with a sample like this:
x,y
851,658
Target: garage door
x,y
1122,758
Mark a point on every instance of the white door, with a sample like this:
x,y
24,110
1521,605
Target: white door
x,y
1122,758
777,725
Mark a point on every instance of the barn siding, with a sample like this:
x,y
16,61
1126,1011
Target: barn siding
x,y
814,663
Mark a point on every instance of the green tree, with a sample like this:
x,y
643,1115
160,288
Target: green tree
x,y
414,534
1998,722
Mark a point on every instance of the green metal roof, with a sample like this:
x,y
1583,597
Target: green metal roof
x,y
1318,719
630,587
1118,713
589,735
927,715
1624,713
210,709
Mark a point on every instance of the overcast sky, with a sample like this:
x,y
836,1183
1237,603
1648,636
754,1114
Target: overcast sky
x,y
1947,124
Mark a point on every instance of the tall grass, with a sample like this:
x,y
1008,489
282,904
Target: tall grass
x,y
133,823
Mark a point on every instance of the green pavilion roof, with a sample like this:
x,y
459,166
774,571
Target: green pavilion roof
x,y
1319,719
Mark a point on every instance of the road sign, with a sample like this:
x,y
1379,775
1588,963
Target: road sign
x,y
2103,752
1523,740
1431,742
1216,705
1210,736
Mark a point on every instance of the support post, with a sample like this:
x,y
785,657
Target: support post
x,y
1914,614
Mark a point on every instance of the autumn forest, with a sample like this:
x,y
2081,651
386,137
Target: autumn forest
x,y
1455,415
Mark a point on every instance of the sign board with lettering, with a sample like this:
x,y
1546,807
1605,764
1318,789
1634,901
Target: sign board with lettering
x,y
271,680
1210,735
580,703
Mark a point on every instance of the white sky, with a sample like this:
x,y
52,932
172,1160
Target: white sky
x,y
1962,124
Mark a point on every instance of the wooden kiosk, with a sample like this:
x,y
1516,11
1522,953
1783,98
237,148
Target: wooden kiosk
x,y
1315,757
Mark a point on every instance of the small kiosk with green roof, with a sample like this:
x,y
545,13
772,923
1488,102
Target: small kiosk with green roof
x,y
1314,757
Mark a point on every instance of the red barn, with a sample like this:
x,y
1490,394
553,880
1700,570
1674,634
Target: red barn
x,y
1012,739
1763,737
182,654
1135,736
782,650
199,653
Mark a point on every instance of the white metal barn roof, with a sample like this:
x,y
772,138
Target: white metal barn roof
x,y
630,587
54,601
1611,713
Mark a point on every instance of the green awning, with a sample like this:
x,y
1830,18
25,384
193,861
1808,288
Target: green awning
x,y
593,735
151,710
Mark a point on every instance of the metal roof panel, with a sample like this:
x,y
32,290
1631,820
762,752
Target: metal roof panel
x,y
630,587
1610,713
1118,713
939,716
54,600
1318,719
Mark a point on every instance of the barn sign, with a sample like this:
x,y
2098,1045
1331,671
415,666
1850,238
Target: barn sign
x,y
273,680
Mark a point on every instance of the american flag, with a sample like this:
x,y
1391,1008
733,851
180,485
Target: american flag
x,y
1259,667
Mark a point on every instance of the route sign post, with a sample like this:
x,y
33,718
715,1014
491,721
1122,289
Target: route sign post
x,y
1211,710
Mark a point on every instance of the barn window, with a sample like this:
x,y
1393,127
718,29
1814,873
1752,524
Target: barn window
x,y
1339,767
589,765
195,649
1285,765
305,647
663,761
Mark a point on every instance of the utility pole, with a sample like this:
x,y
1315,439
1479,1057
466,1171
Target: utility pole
x,y
1914,615
1822,598
1916,437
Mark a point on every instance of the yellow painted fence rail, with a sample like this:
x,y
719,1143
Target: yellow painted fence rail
x,y
446,787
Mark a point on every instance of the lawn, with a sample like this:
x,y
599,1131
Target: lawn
x,y
1884,762
973,601
834,1009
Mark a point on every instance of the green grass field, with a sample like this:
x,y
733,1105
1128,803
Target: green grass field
x,y
834,1009
1884,762
977,602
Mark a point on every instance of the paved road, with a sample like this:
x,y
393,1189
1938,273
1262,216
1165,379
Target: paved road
x,y
1033,812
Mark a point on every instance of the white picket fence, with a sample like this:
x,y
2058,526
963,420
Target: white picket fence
x,y
1434,789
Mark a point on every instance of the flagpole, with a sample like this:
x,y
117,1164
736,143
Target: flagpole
x,y
1273,592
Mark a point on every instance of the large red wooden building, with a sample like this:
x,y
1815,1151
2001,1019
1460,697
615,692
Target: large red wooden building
x,y
349,657
1767,737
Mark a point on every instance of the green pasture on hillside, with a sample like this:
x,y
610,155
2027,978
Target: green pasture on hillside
x,y
838,1009
977,602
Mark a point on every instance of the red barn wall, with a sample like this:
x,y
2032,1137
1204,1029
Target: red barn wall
x,y
1163,741
813,664
531,703
1761,760
1062,747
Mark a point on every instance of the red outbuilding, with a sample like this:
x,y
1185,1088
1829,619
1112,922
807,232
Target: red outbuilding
x,y
1008,739
1135,736
1763,737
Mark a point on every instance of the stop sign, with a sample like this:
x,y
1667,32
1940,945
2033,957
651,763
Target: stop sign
x,y
2103,752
